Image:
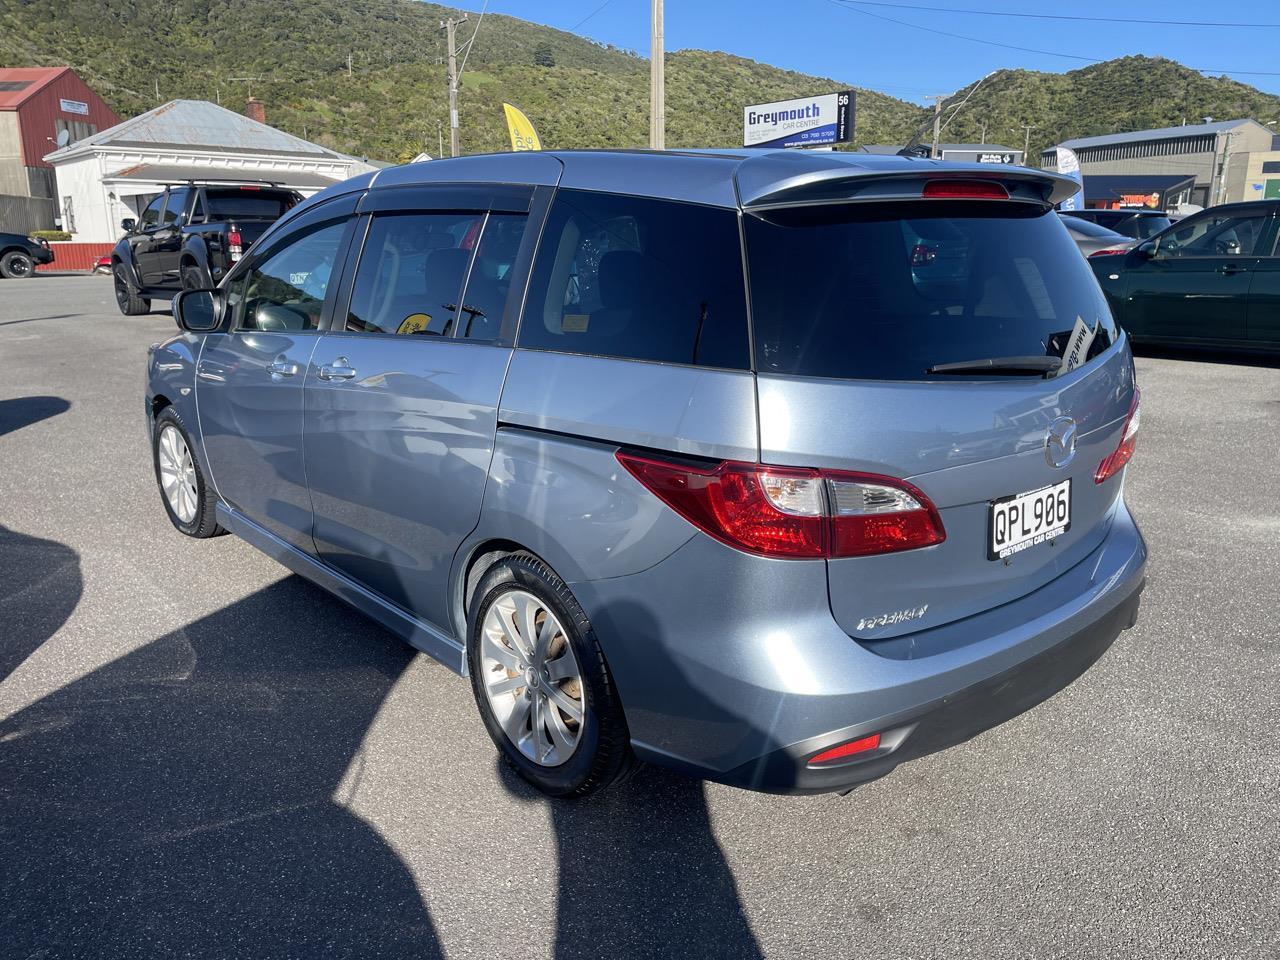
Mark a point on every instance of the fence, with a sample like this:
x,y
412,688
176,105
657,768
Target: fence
x,y
74,256
24,214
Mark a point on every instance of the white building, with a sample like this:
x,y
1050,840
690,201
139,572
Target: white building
x,y
113,174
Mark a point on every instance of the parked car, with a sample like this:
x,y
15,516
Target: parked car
x,y
190,236
1212,278
1093,239
19,255
511,406
102,264
1139,224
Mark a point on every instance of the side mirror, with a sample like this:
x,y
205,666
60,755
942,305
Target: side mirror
x,y
127,224
198,311
1147,249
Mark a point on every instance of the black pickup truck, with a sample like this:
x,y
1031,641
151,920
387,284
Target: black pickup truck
x,y
19,254
189,236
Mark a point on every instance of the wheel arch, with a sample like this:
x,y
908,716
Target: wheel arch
x,y
478,560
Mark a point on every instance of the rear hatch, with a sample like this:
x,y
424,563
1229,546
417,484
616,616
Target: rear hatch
x,y
865,315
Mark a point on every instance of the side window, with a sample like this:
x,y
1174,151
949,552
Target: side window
x,y
1215,235
151,215
411,273
490,279
197,213
637,278
177,205
285,289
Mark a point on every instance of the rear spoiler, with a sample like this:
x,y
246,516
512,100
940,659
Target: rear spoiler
x,y
803,178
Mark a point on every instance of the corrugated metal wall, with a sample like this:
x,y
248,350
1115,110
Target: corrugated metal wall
x,y
24,214
38,117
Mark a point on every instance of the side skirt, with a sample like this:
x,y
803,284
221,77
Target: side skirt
x,y
418,633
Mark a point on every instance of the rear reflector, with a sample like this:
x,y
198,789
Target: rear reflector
x,y
791,512
964,190
1109,467
846,750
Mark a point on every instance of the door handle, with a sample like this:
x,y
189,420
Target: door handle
x,y
340,369
281,368
1230,268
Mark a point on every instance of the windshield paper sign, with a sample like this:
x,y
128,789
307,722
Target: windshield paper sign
x,y
807,122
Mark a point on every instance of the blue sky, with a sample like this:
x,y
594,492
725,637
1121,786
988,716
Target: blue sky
x,y
830,38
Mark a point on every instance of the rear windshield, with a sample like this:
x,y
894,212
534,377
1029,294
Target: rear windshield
x,y
247,203
1144,227
1087,228
866,293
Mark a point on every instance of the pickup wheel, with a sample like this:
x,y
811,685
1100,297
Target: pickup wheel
x,y
127,299
16,265
193,278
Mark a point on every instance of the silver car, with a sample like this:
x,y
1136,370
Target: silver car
x,y
778,468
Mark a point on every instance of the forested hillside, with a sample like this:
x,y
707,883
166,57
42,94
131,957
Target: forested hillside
x,y
391,103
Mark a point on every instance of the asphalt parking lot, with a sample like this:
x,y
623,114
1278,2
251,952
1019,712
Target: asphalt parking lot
x,y
202,755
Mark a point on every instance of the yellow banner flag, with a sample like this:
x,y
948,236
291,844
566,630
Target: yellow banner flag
x,y
523,136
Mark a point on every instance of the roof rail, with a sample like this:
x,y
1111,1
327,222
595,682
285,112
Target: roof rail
x,y
203,181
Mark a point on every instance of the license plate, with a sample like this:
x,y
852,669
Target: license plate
x,y
1026,519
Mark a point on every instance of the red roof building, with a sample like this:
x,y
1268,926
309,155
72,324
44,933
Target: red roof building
x,y
41,109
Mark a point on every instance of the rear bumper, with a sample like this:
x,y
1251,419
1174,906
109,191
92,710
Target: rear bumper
x,y
945,722
732,668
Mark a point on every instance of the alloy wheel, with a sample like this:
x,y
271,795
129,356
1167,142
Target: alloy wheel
x,y
20,266
122,289
177,474
531,678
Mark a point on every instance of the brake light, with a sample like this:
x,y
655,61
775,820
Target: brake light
x,y
791,512
233,238
250,188
1108,251
844,750
1109,467
964,190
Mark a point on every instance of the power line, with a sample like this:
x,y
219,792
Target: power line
x,y
472,42
589,16
1058,16
843,5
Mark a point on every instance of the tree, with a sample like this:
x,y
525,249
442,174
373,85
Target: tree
x,y
543,56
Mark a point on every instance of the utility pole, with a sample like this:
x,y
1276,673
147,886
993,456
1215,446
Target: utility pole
x,y
984,132
937,99
1026,141
450,28
1222,172
657,82
348,66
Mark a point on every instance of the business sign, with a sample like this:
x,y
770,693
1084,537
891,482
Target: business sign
x,y
1069,166
74,106
807,122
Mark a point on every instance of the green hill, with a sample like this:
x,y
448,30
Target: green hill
x,y
1131,93
393,102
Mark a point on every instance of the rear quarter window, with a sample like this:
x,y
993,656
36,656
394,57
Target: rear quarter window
x,y
639,279
871,293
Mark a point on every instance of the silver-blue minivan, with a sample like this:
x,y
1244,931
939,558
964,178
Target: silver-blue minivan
x,y
779,468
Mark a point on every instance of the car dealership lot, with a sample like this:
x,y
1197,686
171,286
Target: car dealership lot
x,y
200,754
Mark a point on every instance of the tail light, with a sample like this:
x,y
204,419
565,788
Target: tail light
x,y
1109,251
234,249
793,513
964,190
1114,463
233,238
845,750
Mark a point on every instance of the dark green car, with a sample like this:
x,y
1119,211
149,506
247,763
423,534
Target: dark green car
x,y
1212,279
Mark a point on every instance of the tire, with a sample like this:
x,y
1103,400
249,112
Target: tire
x,y
127,299
188,499
601,753
193,278
16,265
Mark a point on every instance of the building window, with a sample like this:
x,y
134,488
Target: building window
x,y
77,130
68,216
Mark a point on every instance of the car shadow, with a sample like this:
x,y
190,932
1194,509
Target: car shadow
x,y
641,874
22,412
180,800
40,585
1207,355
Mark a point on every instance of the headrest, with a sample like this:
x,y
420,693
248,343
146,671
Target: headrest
x,y
621,278
443,271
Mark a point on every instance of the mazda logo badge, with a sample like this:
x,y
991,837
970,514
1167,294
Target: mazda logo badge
x,y
1060,444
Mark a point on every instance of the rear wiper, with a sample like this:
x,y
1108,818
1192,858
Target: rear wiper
x,y
1012,366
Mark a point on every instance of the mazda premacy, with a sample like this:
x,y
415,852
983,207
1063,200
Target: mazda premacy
x,y
779,468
